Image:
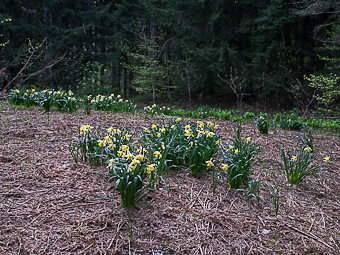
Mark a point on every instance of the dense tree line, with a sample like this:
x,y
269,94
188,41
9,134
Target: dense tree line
x,y
278,51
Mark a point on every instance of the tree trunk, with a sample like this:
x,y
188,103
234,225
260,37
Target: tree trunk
x,y
189,87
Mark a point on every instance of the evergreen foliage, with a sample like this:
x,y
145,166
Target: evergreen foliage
x,y
173,49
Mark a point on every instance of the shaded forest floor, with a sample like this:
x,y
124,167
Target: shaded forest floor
x,y
50,205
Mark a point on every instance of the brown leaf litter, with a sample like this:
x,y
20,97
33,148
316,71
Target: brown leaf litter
x,y
50,205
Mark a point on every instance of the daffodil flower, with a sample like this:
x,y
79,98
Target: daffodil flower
x,y
308,149
110,130
150,168
326,159
100,143
157,154
294,158
225,167
210,163
248,139
111,164
125,147
135,162
237,151
131,168
140,157
142,150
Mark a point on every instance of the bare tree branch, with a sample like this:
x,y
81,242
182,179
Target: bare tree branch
x,y
27,63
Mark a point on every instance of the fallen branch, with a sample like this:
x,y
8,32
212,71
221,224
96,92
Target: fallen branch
x,y
310,236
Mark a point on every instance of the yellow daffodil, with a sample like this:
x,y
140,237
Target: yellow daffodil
x,y
225,167
84,129
135,162
140,157
157,154
112,147
142,150
173,127
211,134
150,168
131,168
210,163
231,147
218,142
100,143
119,96
179,119
261,117
111,164
308,149
153,127
326,159
248,139
163,130
111,130
125,148
129,156
107,139
127,137
237,151
159,135
163,145
294,158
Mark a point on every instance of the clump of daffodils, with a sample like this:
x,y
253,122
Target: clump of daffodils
x,y
300,163
85,129
238,157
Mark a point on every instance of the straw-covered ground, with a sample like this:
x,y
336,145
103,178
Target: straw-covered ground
x,y
50,205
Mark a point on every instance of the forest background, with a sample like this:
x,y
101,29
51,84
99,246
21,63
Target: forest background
x,y
277,53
